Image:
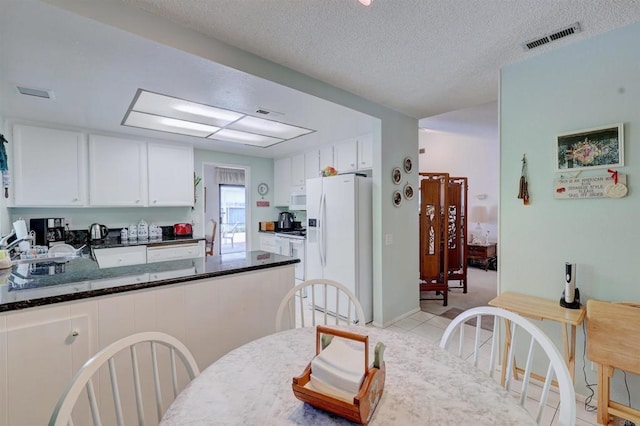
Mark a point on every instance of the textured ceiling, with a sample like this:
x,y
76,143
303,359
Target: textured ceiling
x,y
420,57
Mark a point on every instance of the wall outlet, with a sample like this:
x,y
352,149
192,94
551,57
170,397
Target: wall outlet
x,y
594,367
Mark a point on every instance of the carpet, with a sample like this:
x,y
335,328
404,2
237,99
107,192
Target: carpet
x,y
487,322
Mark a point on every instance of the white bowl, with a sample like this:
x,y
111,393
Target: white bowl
x,y
60,250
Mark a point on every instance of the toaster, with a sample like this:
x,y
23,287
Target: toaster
x,y
182,229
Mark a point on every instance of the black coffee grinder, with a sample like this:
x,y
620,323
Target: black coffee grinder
x,y
571,295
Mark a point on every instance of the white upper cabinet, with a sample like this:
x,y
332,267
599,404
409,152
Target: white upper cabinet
x,y
49,167
281,181
117,172
298,177
365,151
326,157
346,156
170,170
311,164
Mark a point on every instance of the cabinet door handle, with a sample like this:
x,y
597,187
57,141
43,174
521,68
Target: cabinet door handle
x,y
75,333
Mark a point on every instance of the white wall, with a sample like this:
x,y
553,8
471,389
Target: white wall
x,y
584,85
396,272
472,156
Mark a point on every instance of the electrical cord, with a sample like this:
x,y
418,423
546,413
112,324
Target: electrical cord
x,y
587,401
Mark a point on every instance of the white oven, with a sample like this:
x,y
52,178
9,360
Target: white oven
x,y
297,250
293,246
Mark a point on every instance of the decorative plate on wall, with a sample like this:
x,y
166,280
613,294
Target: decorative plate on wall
x,y
408,191
396,175
263,189
408,164
397,198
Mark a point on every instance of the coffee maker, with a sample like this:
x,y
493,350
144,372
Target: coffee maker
x,y
49,231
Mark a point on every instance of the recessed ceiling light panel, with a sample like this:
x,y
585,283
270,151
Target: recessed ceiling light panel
x,y
228,135
166,124
268,127
155,111
153,103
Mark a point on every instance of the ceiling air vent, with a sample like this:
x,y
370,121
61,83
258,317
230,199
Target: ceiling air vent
x,y
556,35
264,111
40,93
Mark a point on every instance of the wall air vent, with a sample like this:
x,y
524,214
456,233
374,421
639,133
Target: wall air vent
x,y
548,38
39,93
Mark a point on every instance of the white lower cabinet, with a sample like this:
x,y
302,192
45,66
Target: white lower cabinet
x,y
268,243
40,351
120,256
175,252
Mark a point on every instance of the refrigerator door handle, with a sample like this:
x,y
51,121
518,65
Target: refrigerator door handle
x,y
321,218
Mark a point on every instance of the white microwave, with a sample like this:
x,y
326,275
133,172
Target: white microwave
x,y
298,201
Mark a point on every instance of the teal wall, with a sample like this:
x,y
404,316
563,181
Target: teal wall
x,y
260,170
584,85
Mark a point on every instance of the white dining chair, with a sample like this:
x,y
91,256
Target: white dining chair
x,y
83,379
310,297
522,334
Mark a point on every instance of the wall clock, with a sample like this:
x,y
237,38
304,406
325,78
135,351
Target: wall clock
x,y
263,189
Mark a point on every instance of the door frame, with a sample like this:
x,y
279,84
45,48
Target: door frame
x,y
211,186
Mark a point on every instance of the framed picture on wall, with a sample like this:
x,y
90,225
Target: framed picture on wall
x,y
598,147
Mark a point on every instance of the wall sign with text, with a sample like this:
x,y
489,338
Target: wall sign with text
x,y
591,187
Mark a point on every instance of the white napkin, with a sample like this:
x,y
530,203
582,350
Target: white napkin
x,y
339,369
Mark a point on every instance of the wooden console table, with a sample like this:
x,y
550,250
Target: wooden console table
x,y
482,252
542,309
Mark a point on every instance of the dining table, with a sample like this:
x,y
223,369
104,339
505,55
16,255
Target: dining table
x,y
425,385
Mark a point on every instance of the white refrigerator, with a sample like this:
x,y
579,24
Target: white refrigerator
x,y
339,237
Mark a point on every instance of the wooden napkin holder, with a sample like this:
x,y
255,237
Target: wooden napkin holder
x,y
367,399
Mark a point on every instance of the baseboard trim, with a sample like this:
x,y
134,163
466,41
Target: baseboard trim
x,y
401,317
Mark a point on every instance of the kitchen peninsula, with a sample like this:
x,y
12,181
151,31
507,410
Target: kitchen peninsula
x,y
51,324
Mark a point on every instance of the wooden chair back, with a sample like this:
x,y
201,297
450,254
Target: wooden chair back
x,y
212,227
613,342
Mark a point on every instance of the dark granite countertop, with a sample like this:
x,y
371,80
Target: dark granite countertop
x,y
28,285
166,240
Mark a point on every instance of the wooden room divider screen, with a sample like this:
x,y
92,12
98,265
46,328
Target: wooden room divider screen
x,y
443,233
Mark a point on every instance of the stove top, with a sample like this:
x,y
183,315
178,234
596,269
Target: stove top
x,y
298,232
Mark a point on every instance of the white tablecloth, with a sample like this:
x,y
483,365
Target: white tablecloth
x,y
424,385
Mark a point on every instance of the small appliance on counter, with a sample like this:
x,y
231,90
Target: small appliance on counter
x,y
98,232
267,226
49,231
285,221
182,230
571,295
